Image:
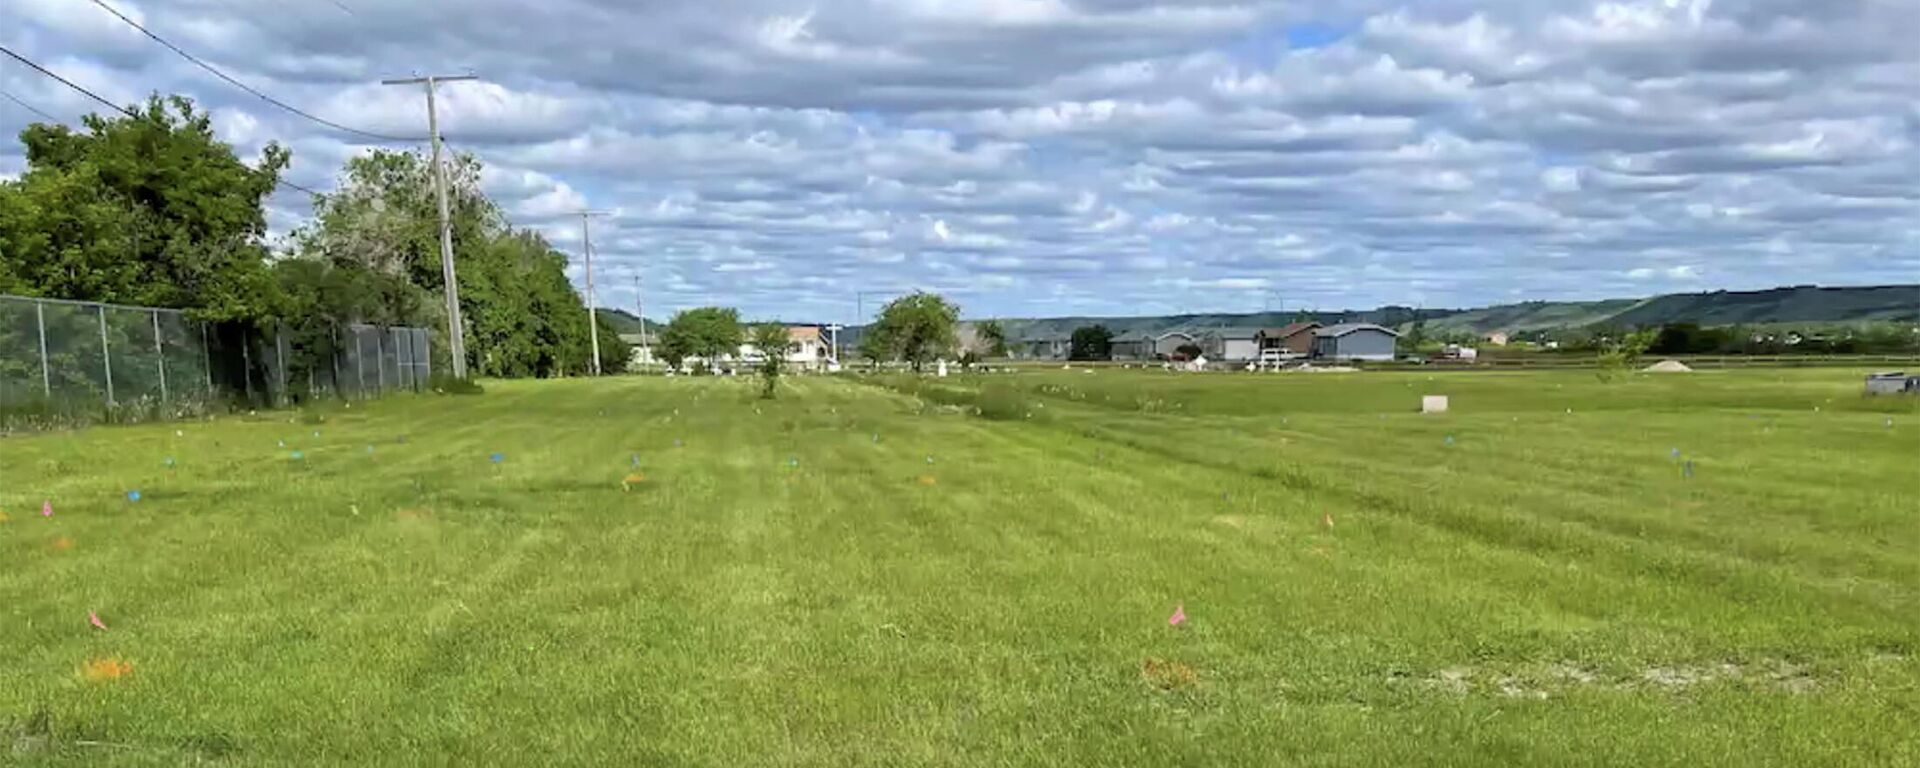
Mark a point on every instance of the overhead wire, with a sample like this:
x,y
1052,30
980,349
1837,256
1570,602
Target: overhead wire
x,y
66,82
243,86
103,100
28,107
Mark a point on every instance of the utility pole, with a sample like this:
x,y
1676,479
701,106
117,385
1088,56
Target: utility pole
x,y
456,334
593,316
640,311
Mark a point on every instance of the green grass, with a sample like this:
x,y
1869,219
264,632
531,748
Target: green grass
x,y
784,589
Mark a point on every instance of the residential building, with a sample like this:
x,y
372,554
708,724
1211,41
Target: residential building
x,y
1497,338
1043,346
1354,341
807,348
1167,345
1293,339
1133,345
1231,343
640,348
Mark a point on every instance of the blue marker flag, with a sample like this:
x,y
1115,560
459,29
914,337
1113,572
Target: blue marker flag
x,y
497,458
298,455
133,495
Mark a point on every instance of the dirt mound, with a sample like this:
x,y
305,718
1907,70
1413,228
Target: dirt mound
x,y
1668,366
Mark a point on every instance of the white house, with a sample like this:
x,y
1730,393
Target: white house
x,y
807,349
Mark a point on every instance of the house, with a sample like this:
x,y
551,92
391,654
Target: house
x,y
1042,346
1167,345
1293,339
1497,338
1354,341
640,346
1133,345
807,348
1232,343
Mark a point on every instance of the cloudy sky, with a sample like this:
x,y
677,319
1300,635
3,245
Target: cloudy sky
x,y
1045,157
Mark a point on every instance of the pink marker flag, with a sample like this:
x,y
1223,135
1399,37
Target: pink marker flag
x,y
1179,616
94,619
46,508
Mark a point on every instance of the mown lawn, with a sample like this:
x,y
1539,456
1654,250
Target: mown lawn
x,y
854,576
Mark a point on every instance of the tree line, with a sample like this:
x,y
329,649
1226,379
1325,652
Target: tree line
x,y
155,210
917,329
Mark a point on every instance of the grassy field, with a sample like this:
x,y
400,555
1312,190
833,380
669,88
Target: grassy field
x,y
855,575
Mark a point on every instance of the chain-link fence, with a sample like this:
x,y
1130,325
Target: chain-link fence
x,y
66,357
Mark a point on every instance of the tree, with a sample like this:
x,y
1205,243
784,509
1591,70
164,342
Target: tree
x,y
1620,352
917,327
1090,342
994,336
1414,339
1189,351
772,341
706,333
151,209
522,316
873,348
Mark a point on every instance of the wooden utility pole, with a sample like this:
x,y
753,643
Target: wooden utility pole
x,y
593,316
456,334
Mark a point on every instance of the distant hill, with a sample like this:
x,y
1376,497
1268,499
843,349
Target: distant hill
x,y
1797,304
624,321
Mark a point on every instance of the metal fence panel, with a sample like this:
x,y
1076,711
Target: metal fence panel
x,y
75,353
78,357
134,355
23,372
389,362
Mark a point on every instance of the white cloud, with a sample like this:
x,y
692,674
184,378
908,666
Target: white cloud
x,y
1040,155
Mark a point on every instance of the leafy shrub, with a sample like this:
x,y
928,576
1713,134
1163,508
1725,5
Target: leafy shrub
x,y
448,385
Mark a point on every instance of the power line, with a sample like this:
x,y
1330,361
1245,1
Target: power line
x,y
343,8
29,107
243,86
97,97
68,83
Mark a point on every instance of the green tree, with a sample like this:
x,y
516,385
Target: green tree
x,y
149,210
706,332
1414,339
917,328
873,348
772,341
522,316
1090,342
994,336
1621,351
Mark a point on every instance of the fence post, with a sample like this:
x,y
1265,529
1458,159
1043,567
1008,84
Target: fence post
x,y
359,360
280,356
246,361
106,353
206,358
160,356
380,360
46,378
333,356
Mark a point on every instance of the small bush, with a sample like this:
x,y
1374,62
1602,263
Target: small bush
x,y
448,385
1001,402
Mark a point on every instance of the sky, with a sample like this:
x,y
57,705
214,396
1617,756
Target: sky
x,y
1108,157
